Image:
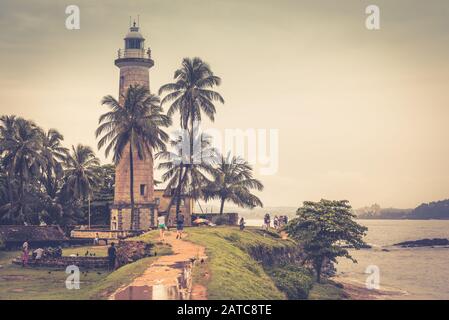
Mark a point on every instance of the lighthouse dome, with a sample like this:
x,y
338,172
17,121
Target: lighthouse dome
x,y
134,34
134,39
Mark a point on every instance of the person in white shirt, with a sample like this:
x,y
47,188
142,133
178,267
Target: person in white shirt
x,y
161,226
96,240
38,252
25,248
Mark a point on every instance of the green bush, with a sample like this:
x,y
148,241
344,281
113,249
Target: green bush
x,y
2,244
294,281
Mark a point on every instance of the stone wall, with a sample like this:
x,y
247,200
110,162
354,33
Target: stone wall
x,y
127,252
145,217
64,262
130,251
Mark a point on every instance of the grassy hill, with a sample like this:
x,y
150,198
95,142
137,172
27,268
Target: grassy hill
x,y
253,264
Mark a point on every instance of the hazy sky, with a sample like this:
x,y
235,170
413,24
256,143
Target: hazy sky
x,y
362,115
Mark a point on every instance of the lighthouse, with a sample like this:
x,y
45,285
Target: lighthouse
x,y
134,62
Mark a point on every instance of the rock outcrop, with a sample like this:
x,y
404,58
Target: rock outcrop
x,y
424,243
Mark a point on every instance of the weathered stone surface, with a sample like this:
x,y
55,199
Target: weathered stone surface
x,y
130,251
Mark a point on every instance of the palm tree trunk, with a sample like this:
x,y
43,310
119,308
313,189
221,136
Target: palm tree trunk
x,y
22,193
10,187
222,205
178,193
131,182
318,266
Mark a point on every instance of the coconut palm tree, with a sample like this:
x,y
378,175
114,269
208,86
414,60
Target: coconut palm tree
x,y
233,181
81,172
132,127
194,177
21,155
55,154
191,95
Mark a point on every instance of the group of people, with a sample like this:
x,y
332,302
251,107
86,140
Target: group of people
x,y
162,226
278,221
38,253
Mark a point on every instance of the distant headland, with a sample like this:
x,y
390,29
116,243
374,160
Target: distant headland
x,y
431,210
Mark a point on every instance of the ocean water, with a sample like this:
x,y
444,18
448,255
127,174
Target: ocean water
x,y
421,273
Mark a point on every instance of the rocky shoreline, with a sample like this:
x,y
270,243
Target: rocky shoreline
x,y
423,243
355,290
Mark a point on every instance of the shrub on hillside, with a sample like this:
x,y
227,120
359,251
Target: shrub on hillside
x,y
2,244
292,280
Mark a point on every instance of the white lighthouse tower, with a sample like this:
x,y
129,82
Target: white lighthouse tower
x,y
134,62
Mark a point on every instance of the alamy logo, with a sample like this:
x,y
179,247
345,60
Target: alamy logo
x,y
373,20
72,22
259,146
73,280
373,280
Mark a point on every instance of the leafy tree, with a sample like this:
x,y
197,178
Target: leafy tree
x,y
81,172
134,126
39,181
233,181
324,230
191,95
55,154
20,146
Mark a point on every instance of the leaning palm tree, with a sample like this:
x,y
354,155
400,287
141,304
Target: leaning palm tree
x,y
195,177
191,95
233,181
133,127
81,172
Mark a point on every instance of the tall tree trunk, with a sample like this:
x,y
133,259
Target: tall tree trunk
x,y
178,193
318,264
131,182
10,187
222,205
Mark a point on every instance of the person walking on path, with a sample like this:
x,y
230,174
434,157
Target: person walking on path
x,y
112,255
161,226
179,226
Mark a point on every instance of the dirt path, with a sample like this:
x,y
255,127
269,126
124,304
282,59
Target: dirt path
x,y
169,277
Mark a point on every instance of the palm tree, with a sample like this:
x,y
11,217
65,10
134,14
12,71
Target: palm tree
x,y
194,178
81,172
134,125
191,95
55,154
233,181
21,150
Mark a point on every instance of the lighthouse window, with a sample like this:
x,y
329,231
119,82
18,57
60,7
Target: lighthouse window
x,y
133,43
143,189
